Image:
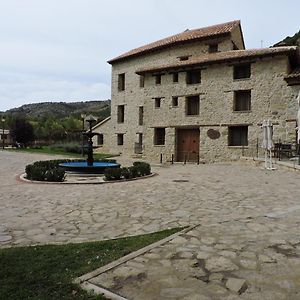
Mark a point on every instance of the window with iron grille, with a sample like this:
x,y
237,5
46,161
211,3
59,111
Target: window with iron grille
x,y
238,136
242,100
159,136
193,76
121,82
192,105
242,71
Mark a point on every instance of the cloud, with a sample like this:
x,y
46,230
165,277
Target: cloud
x,y
55,50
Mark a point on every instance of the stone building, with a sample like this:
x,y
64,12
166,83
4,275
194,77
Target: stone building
x,y
200,95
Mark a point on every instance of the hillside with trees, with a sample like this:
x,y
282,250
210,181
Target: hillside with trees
x,y
54,122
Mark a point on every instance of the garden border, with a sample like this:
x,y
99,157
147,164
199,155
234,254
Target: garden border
x,y
22,178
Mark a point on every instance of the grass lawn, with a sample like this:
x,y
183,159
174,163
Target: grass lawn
x,y
49,150
46,272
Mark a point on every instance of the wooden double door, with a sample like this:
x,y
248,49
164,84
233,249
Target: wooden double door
x,y
188,144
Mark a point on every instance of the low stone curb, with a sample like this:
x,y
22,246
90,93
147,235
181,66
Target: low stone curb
x,y
22,178
83,280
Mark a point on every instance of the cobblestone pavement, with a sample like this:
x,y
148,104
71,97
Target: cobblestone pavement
x,y
247,240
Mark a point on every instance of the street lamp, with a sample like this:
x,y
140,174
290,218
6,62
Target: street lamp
x,y
83,116
3,121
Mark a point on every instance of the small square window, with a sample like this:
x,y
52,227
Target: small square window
x,y
238,136
184,57
157,102
121,82
175,77
174,101
213,48
242,71
158,79
159,136
120,139
242,100
192,105
193,77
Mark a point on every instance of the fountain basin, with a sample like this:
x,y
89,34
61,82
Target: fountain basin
x,y
82,167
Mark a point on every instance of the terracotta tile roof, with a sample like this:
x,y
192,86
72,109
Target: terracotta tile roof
x,y
219,57
188,35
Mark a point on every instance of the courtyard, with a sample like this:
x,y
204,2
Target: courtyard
x,y
246,227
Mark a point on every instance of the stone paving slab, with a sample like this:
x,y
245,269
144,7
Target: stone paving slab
x,y
232,260
248,219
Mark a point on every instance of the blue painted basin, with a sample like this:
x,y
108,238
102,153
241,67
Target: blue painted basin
x,y
82,167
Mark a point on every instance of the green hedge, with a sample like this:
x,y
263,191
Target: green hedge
x,y
138,169
49,170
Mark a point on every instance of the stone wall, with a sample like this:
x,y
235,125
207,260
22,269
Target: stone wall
x,y
271,98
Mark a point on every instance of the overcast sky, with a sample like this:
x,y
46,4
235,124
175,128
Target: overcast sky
x,y
56,50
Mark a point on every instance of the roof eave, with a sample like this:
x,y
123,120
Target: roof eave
x,y
213,62
118,59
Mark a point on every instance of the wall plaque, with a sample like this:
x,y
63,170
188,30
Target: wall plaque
x,y
213,134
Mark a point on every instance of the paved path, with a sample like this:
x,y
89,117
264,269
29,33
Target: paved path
x,y
248,218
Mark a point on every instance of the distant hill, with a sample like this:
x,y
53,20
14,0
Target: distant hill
x,y
289,41
100,109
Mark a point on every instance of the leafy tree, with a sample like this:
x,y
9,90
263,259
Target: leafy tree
x,y
21,131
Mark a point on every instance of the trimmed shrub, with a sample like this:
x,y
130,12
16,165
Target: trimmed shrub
x,y
134,171
142,167
126,173
55,175
112,174
48,170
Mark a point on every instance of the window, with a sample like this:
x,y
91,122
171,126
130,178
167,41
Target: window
x,y
141,115
158,79
174,101
213,48
100,139
193,77
241,71
238,136
120,138
182,58
192,105
121,82
142,81
121,111
159,136
242,100
157,102
175,77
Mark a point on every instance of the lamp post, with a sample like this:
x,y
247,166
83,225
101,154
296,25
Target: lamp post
x,y
83,116
3,121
